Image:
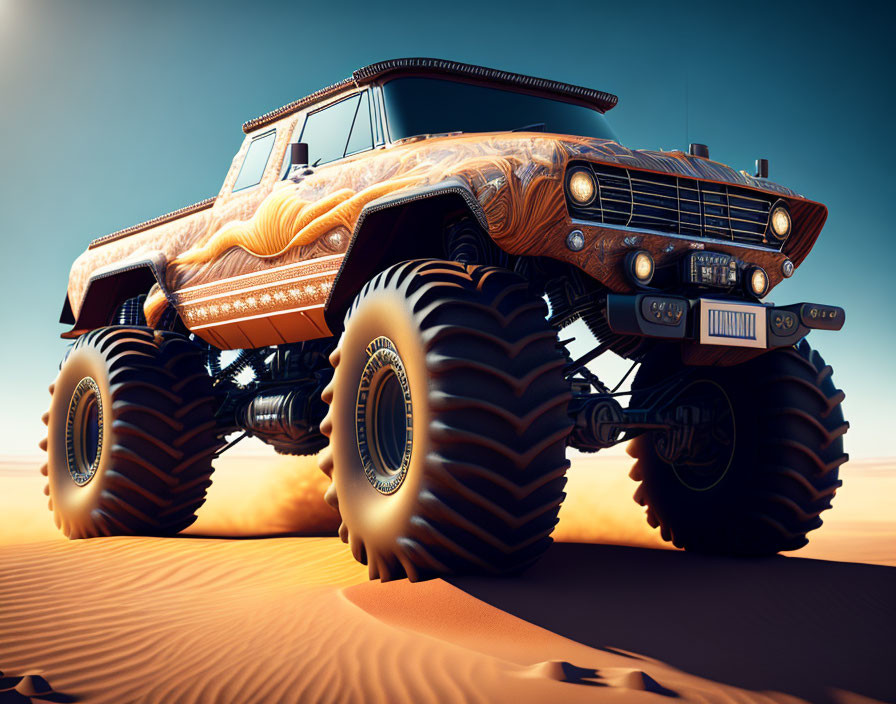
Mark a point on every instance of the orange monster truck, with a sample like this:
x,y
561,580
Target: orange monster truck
x,y
382,279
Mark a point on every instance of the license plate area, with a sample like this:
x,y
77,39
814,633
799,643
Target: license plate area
x,y
732,324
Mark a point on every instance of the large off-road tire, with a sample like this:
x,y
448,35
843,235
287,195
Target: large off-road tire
x,y
767,490
131,434
447,423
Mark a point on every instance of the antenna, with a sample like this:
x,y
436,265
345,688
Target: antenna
x,y
687,106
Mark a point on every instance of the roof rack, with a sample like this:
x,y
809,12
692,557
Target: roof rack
x,y
596,98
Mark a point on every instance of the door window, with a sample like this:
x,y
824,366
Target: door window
x,y
337,130
326,131
361,138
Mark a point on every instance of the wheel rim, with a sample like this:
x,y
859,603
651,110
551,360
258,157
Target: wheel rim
x,y
703,412
84,431
383,417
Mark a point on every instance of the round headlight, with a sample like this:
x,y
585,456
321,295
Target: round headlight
x,y
758,282
640,267
780,222
581,186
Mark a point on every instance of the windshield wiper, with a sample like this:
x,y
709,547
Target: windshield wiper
x,y
534,127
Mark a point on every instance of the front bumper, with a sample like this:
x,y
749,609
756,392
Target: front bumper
x,y
719,322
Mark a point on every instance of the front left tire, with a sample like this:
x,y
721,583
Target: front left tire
x,y
447,423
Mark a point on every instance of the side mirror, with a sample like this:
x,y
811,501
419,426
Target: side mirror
x,y
298,154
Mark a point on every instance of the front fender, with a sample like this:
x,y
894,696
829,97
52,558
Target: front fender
x,y
394,228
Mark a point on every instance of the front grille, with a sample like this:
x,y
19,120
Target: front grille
x,y
676,204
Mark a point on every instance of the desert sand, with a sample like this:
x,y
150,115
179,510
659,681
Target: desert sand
x,y
259,603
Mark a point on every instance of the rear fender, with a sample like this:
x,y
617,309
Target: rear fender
x,y
109,287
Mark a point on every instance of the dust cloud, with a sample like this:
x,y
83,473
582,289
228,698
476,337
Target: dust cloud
x,y
599,507
266,495
270,494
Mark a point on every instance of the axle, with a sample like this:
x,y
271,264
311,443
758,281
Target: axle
x,y
601,422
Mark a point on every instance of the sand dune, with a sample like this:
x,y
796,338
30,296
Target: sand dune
x,y
198,618
293,619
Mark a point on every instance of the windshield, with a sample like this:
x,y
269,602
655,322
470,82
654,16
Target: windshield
x,y
417,106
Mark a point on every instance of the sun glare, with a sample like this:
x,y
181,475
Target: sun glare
x,y
6,14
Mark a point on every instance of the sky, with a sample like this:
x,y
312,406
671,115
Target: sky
x,y
113,112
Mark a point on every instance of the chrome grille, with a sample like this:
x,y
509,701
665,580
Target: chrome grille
x,y
676,204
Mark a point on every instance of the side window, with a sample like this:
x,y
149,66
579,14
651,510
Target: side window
x,y
255,161
326,131
361,138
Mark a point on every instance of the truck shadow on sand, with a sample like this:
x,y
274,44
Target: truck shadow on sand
x,y
798,626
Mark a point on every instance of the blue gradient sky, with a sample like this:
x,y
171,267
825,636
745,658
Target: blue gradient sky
x,y
114,112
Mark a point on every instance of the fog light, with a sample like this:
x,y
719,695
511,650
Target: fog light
x,y
758,282
581,186
780,222
639,266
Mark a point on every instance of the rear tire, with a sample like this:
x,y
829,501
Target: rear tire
x,y
769,490
131,434
447,423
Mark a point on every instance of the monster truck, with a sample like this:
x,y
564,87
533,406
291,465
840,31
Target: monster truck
x,y
383,278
